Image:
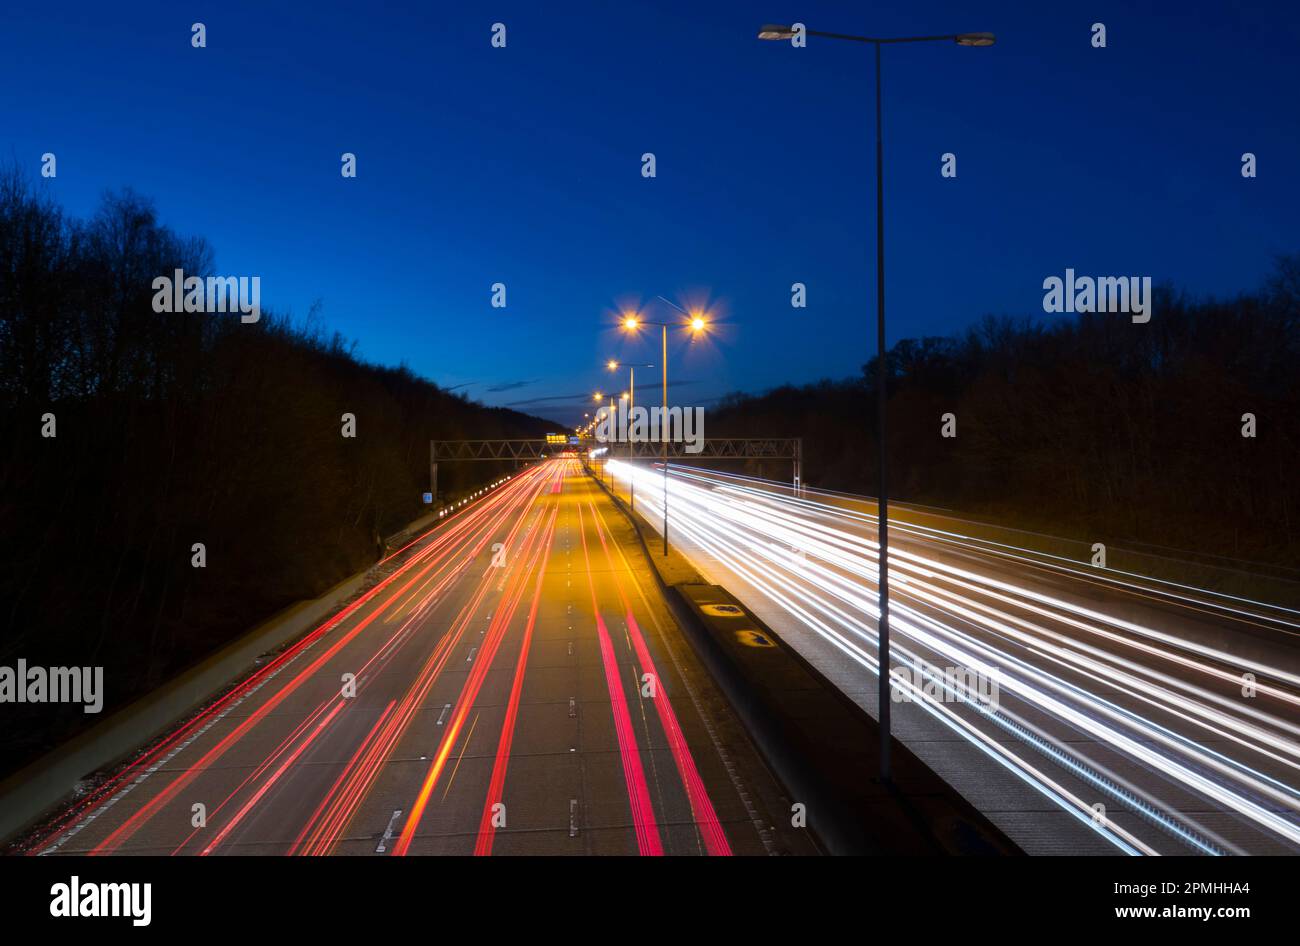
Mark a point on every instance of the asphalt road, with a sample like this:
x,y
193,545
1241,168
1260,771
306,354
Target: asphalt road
x,y
1131,715
512,685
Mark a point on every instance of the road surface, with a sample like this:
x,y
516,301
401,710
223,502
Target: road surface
x,y
512,685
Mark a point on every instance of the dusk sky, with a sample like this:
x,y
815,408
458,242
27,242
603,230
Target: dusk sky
x,y
523,165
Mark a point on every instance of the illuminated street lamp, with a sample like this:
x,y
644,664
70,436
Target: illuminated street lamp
x,y
696,325
773,32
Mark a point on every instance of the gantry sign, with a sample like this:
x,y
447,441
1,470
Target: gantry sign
x,y
446,451
718,448
711,448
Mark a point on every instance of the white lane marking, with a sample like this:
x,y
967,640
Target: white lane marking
x,y
388,832
121,793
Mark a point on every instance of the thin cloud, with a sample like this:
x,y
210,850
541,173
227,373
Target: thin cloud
x,y
510,385
561,398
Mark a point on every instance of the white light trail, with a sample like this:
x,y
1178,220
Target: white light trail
x,y
1129,689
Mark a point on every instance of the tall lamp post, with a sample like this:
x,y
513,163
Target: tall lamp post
x,y
882,373
696,325
631,406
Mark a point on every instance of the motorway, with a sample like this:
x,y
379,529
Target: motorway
x,y
511,683
1130,715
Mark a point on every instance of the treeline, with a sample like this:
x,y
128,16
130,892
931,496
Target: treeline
x,y
1091,426
174,429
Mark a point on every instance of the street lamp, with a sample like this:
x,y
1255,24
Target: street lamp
x,y
773,32
696,325
631,405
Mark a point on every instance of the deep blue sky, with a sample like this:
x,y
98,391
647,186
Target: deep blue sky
x,y
523,165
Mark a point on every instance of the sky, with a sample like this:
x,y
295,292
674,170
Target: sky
x,y
523,165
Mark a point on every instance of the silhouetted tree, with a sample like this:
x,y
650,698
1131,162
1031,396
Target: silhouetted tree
x,y
1088,426
176,428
